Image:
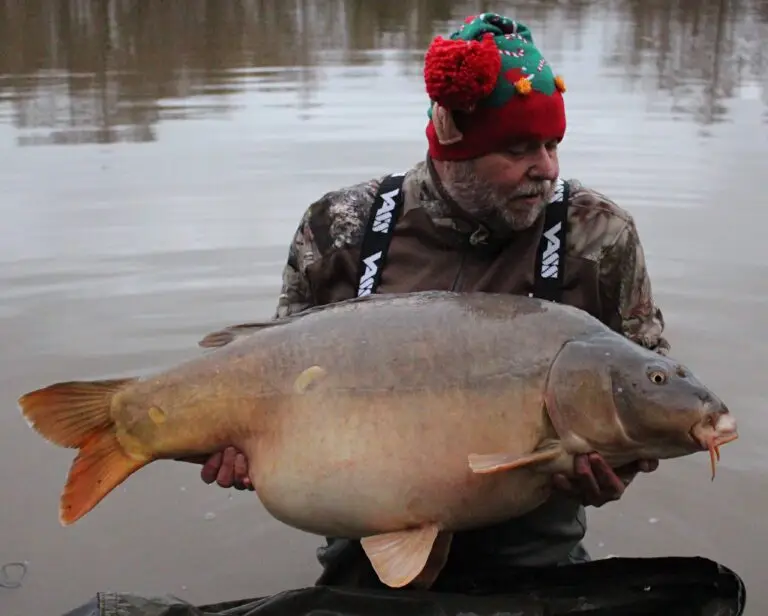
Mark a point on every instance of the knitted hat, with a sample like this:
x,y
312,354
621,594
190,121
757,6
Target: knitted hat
x,y
489,85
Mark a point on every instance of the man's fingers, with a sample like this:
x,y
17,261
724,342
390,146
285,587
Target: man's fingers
x,y
586,478
607,480
228,468
648,466
211,468
241,472
226,475
595,482
241,467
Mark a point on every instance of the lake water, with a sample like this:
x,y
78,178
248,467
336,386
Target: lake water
x,y
155,158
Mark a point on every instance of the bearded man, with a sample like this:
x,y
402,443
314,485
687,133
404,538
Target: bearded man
x,y
486,210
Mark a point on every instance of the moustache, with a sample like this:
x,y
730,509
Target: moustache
x,y
532,189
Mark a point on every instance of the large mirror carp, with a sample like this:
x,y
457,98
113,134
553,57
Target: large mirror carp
x,y
395,419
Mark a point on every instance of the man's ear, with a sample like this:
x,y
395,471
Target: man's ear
x,y
445,127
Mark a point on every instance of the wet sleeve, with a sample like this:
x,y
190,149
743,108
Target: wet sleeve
x,y
630,305
295,293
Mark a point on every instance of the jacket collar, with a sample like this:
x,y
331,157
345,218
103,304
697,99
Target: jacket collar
x,y
429,194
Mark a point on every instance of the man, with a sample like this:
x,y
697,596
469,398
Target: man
x,y
486,211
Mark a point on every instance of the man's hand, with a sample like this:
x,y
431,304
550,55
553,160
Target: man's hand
x,y
228,468
596,483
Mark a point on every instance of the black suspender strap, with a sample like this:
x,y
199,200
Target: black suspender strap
x,y
386,209
378,233
550,258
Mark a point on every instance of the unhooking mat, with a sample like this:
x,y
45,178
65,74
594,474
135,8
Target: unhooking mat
x,y
674,586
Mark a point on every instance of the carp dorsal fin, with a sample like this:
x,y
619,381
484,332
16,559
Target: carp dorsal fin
x,y
224,336
414,556
499,462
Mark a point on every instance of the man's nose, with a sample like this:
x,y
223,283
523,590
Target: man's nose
x,y
545,164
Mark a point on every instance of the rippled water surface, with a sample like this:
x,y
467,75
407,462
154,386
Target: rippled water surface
x,y
155,157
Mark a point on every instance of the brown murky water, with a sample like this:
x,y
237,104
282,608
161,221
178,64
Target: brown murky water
x,y
155,158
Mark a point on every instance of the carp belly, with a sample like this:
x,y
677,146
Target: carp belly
x,y
346,467
338,499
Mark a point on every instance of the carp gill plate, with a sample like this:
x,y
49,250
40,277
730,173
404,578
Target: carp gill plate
x,y
395,419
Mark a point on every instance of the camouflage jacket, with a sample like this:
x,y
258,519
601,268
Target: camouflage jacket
x,y
436,246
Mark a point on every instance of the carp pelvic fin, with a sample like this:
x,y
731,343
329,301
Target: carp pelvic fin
x,y
415,556
436,561
500,462
77,415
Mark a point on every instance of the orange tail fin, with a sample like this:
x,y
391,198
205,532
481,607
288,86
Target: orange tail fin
x,y
77,415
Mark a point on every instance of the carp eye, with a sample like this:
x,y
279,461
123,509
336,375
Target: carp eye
x,y
657,377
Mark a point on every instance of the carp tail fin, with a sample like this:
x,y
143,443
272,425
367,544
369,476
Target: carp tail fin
x,y
76,414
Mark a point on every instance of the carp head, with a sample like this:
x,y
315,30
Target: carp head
x,y
610,395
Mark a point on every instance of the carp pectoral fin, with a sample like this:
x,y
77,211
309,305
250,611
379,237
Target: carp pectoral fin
x,y
77,415
398,558
498,462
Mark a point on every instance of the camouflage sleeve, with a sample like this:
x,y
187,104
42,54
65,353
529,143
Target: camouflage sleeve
x,y
627,285
295,294
333,222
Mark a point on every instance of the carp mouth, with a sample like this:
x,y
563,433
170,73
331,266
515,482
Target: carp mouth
x,y
715,430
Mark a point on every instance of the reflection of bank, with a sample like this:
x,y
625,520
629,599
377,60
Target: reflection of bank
x,y
700,53
100,71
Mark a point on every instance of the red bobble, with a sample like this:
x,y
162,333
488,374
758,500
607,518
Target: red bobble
x,y
460,73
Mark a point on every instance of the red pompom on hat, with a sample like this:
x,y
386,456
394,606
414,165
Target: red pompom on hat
x,y
460,73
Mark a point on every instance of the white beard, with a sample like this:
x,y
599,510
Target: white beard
x,y
493,206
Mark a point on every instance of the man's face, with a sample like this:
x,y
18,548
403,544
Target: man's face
x,y
510,187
